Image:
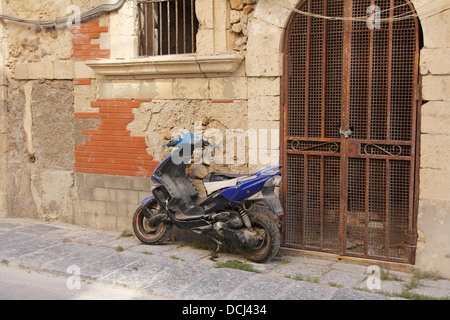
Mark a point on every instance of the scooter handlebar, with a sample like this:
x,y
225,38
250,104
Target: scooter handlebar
x,y
174,142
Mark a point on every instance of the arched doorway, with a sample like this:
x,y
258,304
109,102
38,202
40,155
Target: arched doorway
x,y
350,97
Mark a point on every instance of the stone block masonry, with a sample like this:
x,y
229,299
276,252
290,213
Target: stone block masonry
x,y
108,202
111,149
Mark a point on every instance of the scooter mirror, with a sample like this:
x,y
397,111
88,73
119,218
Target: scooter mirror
x,y
172,142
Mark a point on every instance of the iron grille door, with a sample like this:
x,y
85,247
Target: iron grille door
x,y
349,106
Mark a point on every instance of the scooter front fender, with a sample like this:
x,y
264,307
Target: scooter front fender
x,y
149,198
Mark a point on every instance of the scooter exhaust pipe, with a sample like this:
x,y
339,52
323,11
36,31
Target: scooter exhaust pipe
x,y
242,237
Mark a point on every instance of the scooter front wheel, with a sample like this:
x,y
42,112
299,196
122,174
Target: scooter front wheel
x,y
150,233
270,243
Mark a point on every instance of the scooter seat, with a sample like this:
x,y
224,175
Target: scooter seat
x,y
218,176
214,181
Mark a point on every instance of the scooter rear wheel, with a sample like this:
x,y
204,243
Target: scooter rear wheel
x,y
150,234
270,244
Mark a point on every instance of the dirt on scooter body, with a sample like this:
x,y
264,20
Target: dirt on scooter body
x,y
241,208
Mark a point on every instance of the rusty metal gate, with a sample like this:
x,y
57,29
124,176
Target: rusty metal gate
x,y
350,105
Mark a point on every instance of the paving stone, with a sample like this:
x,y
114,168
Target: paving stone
x,y
80,258
432,291
217,284
176,276
306,271
302,290
12,239
110,264
36,229
6,226
97,238
125,243
348,267
139,273
442,284
256,288
30,245
352,294
153,249
346,279
35,259
187,254
65,248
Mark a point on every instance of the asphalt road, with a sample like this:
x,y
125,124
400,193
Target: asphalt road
x,y
24,284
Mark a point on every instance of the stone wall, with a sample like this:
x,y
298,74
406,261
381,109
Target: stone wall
x,y
433,251
3,125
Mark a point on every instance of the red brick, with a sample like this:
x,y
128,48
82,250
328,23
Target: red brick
x,y
115,110
112,127
110,149
81,42
98,103
117,116
85,24
148,163
222,100
81,47
86,115
85,35
118,144
81,81
106,132
114,166
115,121
123,103
96,154
89,29
118,138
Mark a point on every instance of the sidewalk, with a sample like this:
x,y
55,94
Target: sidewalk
x,y
179,271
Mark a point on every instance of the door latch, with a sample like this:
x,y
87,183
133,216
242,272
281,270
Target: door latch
x,y
347,133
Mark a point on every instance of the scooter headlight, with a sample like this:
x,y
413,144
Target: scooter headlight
x,y
273,181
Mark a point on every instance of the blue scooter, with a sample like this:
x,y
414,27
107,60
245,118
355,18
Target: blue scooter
x,y
241,208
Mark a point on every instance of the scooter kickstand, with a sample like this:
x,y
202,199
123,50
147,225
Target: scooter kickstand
x,y
214,255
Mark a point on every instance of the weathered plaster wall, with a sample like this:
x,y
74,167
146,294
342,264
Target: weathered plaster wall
x,y
38,127
37,116
40,149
